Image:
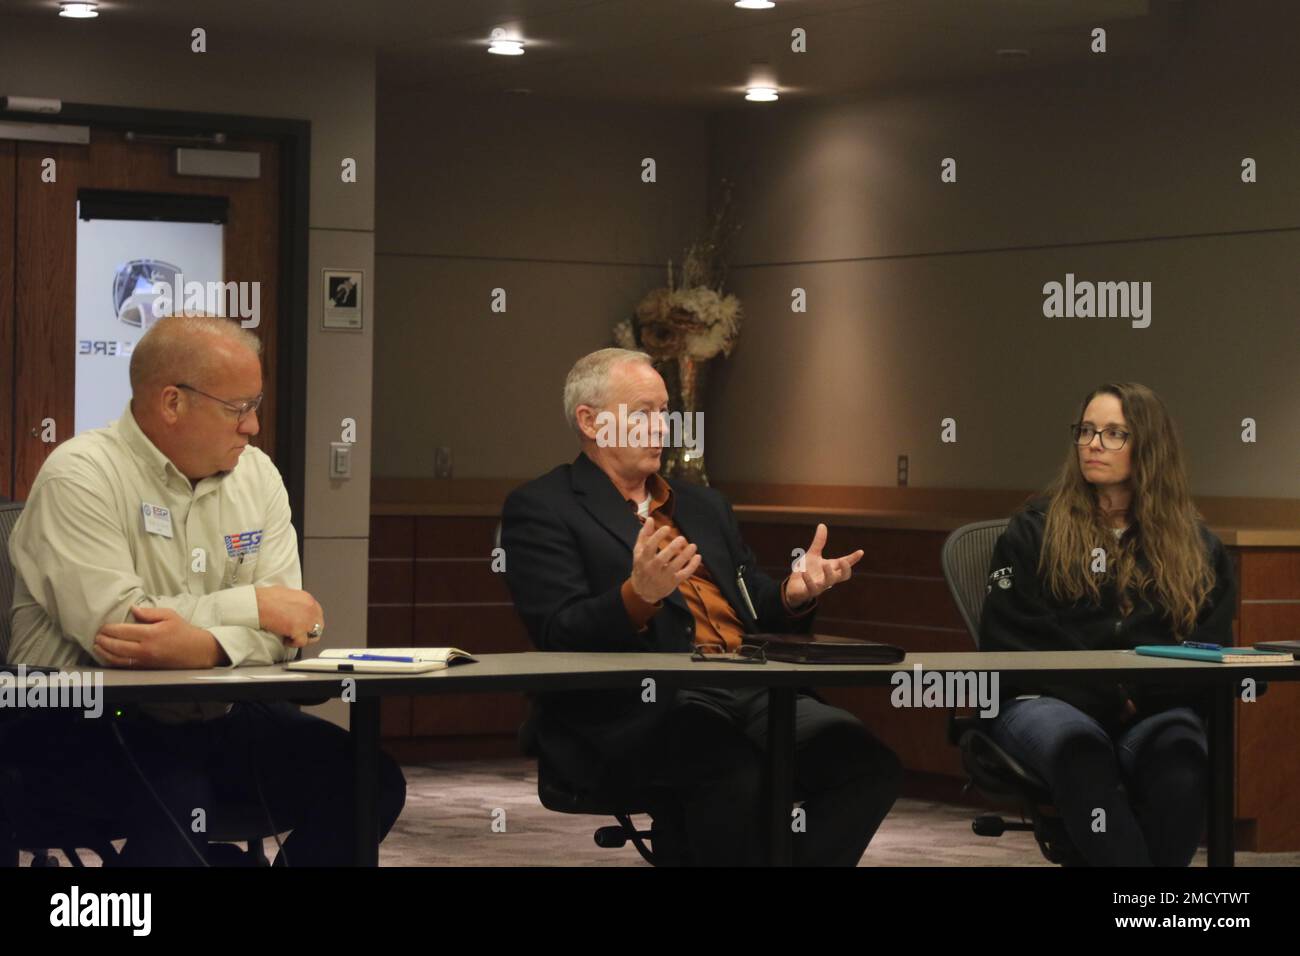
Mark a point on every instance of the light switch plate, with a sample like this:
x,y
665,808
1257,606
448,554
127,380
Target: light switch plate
x,y
340,460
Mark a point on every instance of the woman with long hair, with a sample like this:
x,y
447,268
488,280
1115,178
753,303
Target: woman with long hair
x,y
1114,556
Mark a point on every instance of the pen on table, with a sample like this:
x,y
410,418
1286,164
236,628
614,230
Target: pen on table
x,y
380,657
1203,646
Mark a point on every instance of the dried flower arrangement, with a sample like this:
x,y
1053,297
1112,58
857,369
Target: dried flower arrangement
x,y
683,326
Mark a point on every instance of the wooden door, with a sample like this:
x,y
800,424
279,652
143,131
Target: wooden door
x,y
7,190
45,303
42,327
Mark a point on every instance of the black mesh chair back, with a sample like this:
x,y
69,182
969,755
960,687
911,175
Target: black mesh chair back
x,y
966,556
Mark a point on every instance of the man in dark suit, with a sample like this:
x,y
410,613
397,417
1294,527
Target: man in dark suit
x,y
603,555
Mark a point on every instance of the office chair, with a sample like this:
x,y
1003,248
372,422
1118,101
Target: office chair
x,y
993,772
561,796
558,795
231,823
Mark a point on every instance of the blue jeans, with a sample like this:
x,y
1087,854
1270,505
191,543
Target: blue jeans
x,y
1150,779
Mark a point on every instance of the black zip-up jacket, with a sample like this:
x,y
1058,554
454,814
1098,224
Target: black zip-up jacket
x,y
1020,614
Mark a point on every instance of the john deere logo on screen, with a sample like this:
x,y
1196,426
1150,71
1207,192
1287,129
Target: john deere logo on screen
x,y
134,289
145,290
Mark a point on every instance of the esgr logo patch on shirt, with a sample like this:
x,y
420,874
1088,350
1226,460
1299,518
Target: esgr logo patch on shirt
x,y
244,543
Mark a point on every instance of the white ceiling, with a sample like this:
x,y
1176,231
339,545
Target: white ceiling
x,y
695,53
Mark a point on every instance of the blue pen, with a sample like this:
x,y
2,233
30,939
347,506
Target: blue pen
x,y
1203,646
380,657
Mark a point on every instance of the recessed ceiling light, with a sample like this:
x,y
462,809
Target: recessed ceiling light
x,y
78,11
502,44
761,94
755,4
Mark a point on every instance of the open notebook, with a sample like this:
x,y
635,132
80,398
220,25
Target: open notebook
x,y
383,660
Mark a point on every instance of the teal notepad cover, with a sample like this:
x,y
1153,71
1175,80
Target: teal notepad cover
x,y
1201,653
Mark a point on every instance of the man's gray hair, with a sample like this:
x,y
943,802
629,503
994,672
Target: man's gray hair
x,y
588,381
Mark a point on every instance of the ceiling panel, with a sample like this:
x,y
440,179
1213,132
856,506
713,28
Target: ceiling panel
x,y
694,53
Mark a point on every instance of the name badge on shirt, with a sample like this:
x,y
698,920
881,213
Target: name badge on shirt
x,y
156,520
244,544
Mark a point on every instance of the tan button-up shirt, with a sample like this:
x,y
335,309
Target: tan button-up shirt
x,y
83,554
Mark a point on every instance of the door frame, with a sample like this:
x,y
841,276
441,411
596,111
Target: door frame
x,y
294,140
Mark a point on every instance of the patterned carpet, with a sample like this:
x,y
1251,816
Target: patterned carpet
x,y
451,809
449,814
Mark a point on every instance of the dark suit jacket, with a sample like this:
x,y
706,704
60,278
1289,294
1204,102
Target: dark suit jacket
x,y
568,539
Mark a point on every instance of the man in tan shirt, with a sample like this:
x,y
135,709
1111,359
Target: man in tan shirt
x,y
165,541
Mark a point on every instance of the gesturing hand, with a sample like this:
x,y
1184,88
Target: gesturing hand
x,y
819,573
660,565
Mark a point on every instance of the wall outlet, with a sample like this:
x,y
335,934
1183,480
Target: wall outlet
x,y
902,471
442,462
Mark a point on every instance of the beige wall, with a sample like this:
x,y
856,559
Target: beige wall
x,y
335,91
925,299
543,200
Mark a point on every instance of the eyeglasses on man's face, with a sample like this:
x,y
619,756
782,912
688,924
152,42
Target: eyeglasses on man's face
x,y
241,409
1112,439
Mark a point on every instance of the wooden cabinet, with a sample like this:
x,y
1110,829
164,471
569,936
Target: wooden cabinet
x,y
432,585
1268,753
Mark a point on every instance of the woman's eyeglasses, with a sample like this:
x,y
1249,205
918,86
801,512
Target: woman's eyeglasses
x,y
1112,439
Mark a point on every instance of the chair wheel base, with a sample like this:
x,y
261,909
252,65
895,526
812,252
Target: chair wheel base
x,y
610,838
991,825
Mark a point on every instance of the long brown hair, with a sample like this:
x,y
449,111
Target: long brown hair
x,y
1163,557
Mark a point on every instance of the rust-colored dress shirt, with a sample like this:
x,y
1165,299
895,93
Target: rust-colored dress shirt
x,y
716,621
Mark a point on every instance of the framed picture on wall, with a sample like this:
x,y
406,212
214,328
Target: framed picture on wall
x,y
342,297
